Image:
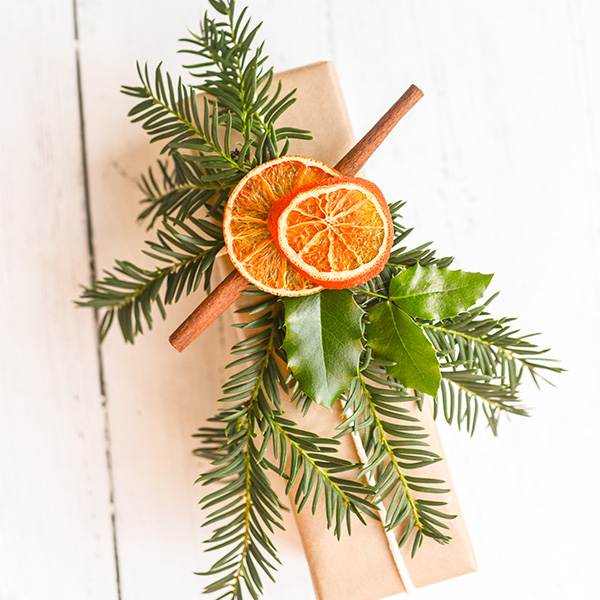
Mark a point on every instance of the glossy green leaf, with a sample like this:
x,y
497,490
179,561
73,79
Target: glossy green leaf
x,y
433,293
394,336
323,342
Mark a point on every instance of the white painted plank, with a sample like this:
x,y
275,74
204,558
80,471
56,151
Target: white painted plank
x,y
151,390
499,165
55,513
156,397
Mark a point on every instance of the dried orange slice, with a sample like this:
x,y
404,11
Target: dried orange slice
x,y
247,238
337,232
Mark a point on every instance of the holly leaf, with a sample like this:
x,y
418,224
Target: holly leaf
x,y
433,293
394,336
323,342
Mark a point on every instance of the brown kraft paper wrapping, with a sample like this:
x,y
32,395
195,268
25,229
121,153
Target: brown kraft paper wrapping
x,y
360,566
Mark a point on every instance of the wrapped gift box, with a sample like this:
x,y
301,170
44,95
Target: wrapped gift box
x,y
365,565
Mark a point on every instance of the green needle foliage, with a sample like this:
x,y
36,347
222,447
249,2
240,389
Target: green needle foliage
x,y
245,509
185,252
394,443
211,133
482,359
209,146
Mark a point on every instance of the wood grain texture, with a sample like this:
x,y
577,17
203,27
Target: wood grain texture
x,y
55,507
156,399
506,168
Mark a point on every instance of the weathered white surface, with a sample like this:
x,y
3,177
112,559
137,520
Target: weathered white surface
x,y
55,509
156,397
499,165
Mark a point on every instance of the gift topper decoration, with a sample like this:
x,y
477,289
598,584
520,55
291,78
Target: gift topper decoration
x,y
341,312
266,207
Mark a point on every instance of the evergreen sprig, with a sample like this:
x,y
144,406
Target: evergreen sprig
x,y
482,359
234,73
394,444
209,145
197,134
185,252
178,187
245,509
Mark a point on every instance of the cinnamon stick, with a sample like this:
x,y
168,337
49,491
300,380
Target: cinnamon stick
x,y
356,158
230,289
212,307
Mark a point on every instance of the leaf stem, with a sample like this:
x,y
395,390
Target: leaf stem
x,y
470,338
249,418
390,451
363,291
193,128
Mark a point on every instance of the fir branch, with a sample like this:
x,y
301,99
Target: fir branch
x,y
198,139
394,443
490,345
483,360
230,72
170,112
244,522
247,509
306,461
310,455
233,74
130,292
462,392
206,164
181,190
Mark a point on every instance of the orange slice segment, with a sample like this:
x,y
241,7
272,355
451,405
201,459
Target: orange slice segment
x,y
247,238
337,232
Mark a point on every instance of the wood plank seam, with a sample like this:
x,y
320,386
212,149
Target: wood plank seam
x,y
92,265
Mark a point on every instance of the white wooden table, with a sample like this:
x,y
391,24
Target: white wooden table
x,y
499,165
